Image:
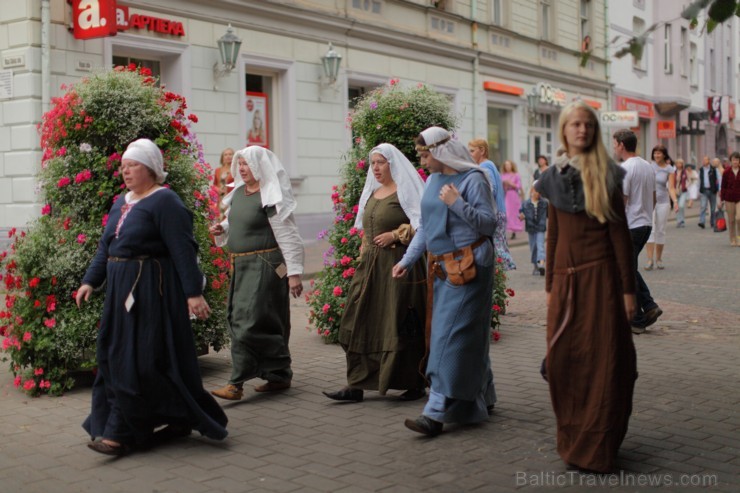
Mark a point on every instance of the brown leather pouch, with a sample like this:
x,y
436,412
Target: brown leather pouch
x,y
460,270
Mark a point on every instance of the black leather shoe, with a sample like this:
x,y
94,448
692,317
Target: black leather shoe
x,y
490,409
424,425
651,316
346,394
413,394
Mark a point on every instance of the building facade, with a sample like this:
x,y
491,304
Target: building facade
x,y
682,74
488,56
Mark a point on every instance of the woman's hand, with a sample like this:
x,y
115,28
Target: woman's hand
x,y
216,230
199,307
398,271
449,194
295,284
384,239
630,306
83,293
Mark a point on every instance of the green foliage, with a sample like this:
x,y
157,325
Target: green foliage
x,y
46,337
389,114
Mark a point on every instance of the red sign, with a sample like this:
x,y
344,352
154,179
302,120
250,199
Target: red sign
x,y
666,129
100,18
643,108
93,18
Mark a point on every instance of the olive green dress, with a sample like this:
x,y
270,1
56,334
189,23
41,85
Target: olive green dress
x,y
382,328
259,306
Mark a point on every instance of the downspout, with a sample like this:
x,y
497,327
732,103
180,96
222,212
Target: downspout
x,y
45,56
476,63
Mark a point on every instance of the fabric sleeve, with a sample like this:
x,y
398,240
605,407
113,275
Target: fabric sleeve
x,y
97,271
622,241
175,224
416,248
290,242
475,205
552,241
723,189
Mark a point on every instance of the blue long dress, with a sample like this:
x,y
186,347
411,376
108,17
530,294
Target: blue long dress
x,y
459,368
148,372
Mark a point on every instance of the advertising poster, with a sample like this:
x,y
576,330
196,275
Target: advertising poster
x,y
257,133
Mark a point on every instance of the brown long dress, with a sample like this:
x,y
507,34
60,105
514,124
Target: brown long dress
x,y
591,361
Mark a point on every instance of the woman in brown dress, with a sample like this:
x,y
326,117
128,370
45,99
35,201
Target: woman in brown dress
x,y
382,328
591,364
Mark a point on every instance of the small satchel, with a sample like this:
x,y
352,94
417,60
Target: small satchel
x,y
460,270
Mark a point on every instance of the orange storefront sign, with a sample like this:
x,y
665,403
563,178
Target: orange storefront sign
x,y
643,108
666,129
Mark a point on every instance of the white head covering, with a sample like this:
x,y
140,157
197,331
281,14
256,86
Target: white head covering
x,y
409,184
275,187
446,150
146,152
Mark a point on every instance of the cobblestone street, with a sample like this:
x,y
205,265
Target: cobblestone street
x,y
685,426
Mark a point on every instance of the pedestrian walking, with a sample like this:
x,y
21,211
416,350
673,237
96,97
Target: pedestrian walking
x,y
513,187
382,327
638,188
683,182
457,222
478,148
730,196
148,373
665,198
709,179
266,254
590,285
534,215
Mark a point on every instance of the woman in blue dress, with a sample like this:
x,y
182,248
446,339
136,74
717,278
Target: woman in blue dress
x,y
148,373
457,211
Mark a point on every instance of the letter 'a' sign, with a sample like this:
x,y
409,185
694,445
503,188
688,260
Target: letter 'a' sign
x,y
94,18
100,18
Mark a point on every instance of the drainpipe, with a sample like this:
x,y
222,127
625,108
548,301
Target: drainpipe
x,y
476,63
45,56
606,57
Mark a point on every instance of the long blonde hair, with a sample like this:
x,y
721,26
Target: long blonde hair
x,y
594,164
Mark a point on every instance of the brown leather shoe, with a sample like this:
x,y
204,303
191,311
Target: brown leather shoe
x,y
272,386
230,392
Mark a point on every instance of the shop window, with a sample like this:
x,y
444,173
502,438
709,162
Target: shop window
x,y
259,114
499,134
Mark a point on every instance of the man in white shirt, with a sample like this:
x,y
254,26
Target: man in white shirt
x,y
638,188
709,184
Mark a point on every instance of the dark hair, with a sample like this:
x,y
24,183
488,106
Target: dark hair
x,y
734,155
662,149
419,140
627,138
542,156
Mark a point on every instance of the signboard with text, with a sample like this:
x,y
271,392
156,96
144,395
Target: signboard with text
x,y
100,18
620,119
644,108
666,129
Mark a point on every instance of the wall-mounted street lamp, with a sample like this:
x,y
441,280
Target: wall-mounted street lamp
x,y
228,50
331,62
533,97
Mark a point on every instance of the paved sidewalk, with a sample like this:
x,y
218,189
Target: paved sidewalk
x,y
685,425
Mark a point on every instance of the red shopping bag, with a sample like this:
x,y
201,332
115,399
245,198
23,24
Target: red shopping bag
x,y
720,224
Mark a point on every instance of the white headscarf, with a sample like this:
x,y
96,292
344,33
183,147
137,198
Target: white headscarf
x,y
409,184
146,152
275,187
446,150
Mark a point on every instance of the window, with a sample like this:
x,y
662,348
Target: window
x,y
443,25
712,70
667,62
638,27
546,20
497,12
152,65
728,72
585,13
499,134
693,68
367,5
684,51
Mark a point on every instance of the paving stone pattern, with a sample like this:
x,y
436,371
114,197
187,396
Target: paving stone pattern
x,y
685,424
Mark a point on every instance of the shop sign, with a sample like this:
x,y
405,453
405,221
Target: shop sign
x,y
620,119
551,95
666,129
644,108
719,109
100,18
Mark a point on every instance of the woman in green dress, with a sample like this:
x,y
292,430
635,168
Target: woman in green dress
x,y
266,253
382,328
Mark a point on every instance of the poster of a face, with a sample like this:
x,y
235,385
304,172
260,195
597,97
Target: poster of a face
x,y
257,133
